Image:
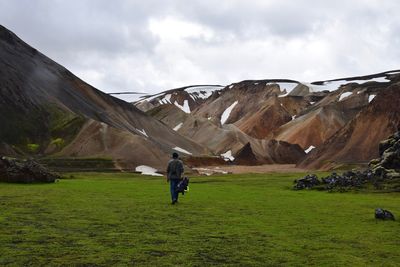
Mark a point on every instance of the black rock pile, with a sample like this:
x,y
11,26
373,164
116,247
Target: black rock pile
x,y
385,169
334,181
307,182
24,171
383,214
348,179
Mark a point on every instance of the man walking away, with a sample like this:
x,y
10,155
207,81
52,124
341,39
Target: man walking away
x,y
174,174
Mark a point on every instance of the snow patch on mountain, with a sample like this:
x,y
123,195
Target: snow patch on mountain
x,y
370,98
202,92
287,93
142,132
308,150
225,115
185,108
288,87
167,98
147,170
227,156
182,150
177,127
334,85
393,72
344,95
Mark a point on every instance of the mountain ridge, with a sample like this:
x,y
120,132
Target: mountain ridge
x,y
41,96
311,113
47,111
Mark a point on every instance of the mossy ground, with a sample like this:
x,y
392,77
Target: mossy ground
x,y
104,219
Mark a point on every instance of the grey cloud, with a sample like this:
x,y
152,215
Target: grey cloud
x,y
109,43
102,26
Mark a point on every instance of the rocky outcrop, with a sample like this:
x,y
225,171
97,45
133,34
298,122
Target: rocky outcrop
x,y
388,164
246,156
383,173
24,171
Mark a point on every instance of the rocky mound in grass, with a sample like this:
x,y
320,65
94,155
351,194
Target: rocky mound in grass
x,y
382,173
24,171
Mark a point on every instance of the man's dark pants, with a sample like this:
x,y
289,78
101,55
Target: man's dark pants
x,y
174,194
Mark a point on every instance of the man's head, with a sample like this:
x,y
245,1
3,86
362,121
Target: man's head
x,y
175,155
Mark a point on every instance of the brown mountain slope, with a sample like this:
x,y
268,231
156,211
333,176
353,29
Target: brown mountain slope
x,y
221,139
316,124
97,139
358,140
264,110
41,102
258,110
313,128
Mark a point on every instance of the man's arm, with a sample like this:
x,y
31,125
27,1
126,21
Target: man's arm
x,y
168,169
181,168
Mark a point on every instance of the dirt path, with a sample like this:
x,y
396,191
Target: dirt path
x,y
252,169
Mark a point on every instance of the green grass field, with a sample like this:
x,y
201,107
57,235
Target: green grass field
x,y
241,220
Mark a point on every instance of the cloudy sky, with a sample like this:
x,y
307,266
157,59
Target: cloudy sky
x,y
150,46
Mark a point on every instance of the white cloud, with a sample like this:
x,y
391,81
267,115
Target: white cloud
x,y
170,29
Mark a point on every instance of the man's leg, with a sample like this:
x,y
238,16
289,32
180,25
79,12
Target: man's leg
x,y
172,189
174,193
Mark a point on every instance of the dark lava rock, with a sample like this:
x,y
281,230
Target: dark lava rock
x,y
385,169
389,151
383,214
309,181
348,179
334,181
24,171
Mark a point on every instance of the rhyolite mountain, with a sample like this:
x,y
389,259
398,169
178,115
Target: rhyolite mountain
x,y
46,110
334,122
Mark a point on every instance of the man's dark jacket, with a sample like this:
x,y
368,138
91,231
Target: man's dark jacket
x,y
175,169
